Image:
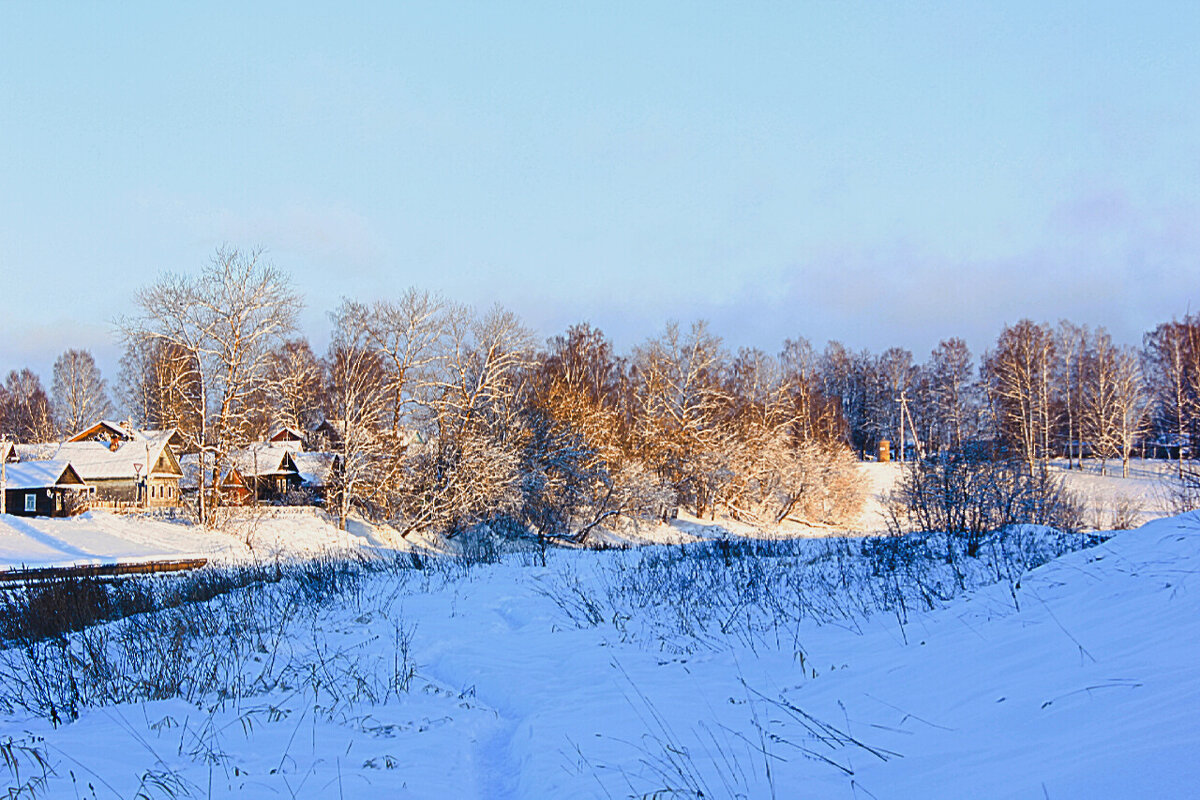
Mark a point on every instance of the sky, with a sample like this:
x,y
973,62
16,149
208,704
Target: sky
x,y
878,173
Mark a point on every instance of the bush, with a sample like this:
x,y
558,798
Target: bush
x,y
969,495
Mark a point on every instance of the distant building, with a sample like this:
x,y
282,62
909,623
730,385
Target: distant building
x,y
288,436
268,469
232,488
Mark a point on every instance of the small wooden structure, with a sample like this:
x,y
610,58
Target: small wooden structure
x,y
43,489
885,450
289,436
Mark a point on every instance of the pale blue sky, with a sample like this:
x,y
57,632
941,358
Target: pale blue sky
x,y
881,173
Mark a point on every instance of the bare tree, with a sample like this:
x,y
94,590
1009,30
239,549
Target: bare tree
x,y
467,470
228,320
294,385
25,414
1168,360
408,336
1072,344
1018,378
949,372
357,407
1131,403
80,393
161,386
681,398
1101,418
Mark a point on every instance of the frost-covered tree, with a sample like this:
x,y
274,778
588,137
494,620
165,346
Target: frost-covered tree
x,y
1071,349
467,468
227,321
949,410
356,408
680,399
1170,364
1018,376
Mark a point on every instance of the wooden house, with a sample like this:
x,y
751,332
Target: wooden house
x,y
127,467
319,472
287,436
43,489
268,470
228,488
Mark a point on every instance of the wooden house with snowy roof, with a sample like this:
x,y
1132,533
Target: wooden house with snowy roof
x,y
43,489
127,466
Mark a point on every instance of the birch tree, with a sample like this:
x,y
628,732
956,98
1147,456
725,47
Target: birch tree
x,y
228,320
80,393
25,412
1101,412
295,385
357,409
1072,344
680,399
1167,355
1131,404
949,373
1018,377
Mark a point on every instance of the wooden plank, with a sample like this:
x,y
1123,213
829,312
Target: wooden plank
x,y
101,570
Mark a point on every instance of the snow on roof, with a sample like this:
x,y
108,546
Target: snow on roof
x,y
190,465
286,433
316,469
95,461
263,458
97,428
34,474
7,451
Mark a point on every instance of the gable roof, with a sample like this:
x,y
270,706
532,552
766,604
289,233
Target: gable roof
x,y
41,475
190,466
95,460
106,430
264,458
286,433
8,451
316,469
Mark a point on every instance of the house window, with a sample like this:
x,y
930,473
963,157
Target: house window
x,y
31,502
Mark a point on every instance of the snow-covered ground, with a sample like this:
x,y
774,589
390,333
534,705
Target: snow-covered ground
x,y
1143,496
1080,678
100,537
250,535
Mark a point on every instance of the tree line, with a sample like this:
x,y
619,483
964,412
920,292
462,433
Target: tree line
x,y
445,417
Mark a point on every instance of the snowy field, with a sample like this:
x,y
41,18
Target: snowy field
x,y
1108,500
654,672
812,667
100,537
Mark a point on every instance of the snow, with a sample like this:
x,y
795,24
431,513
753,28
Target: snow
x,y
1080,679
95,461
248,535
33,474
1145,494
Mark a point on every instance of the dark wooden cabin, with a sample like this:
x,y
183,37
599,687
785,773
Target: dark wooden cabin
x,y
43,489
